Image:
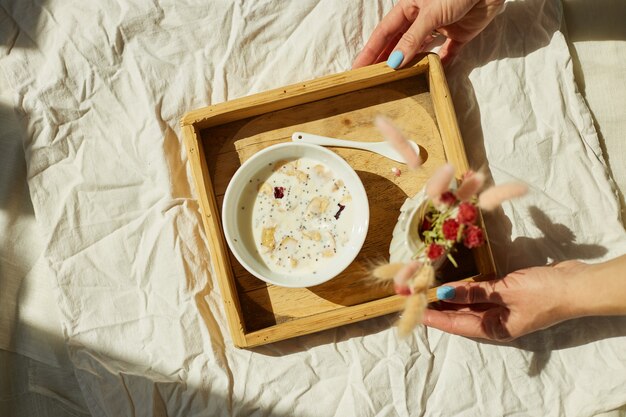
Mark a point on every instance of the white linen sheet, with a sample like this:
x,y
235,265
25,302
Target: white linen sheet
x,y
36,375
101,88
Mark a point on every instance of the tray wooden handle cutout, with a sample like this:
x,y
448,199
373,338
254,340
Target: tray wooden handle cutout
x,y
221,137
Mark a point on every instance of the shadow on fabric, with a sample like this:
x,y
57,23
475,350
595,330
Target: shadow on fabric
x,y
566,335
12,35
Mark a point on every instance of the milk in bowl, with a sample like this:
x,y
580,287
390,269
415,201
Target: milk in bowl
x,y
300,213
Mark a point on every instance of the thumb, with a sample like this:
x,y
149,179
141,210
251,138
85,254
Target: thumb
x,y
472,292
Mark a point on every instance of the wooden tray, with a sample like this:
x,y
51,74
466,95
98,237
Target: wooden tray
x,y
220,137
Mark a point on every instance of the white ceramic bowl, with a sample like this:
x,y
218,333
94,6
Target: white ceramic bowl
x,y
240,241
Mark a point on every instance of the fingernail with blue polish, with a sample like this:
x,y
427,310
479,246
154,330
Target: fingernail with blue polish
x,y
395,59
445,293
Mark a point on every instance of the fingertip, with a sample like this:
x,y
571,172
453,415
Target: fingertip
x,y
445,59
367,56
446,292
395,59
359,61
449,50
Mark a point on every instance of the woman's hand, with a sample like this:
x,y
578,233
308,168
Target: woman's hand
x,y
409,26
522,302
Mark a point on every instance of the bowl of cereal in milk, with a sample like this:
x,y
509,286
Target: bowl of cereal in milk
x,y
295,215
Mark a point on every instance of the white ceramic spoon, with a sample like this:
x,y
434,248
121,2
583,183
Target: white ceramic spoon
x,y
381,148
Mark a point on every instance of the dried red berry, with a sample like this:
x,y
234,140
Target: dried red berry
x,y
468,213
448,198
279,192
434,251
473,236
450,229
341,207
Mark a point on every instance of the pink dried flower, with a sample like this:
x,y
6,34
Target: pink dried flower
x,y
434,251
473,236
468,213
450,229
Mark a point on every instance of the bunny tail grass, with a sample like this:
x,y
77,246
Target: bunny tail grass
x,y
412,314
494,196
439,182
470,186
406,272
398,141
386,272
423,279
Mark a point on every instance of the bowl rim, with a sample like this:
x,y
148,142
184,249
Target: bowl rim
x,y
230,197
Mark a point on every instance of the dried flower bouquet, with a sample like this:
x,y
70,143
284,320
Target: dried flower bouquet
x,y
448,218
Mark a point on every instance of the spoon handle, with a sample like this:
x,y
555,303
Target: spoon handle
x,y
324,141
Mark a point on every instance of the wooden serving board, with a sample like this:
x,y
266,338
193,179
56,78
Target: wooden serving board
x,y
221,137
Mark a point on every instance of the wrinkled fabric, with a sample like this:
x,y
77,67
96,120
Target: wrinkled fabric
x,y
101,87
36,374
598,43
26,308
